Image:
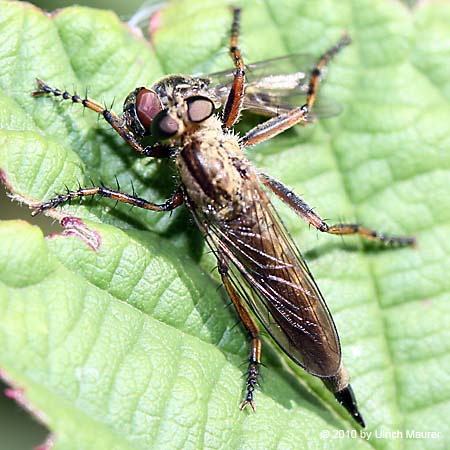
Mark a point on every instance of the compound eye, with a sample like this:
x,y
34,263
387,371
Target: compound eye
x,y
148,105
199,108
164,126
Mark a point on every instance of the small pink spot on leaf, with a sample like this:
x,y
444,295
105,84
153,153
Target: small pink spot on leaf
x,y
154,23
76,227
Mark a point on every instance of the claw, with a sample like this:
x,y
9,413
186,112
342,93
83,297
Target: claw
x,y
36,211
247,402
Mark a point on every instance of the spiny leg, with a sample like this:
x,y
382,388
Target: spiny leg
x,y
282,122
157,150
253,329
233,105
307,213
274,126
316,73
170,204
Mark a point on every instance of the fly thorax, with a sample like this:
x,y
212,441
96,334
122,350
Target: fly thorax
x,y
207,169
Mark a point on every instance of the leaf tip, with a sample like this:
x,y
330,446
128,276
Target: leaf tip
x,y
18,395
4,179
48,444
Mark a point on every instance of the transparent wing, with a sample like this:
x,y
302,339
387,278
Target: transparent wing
x,y
274,86
269,273
294,67
280,102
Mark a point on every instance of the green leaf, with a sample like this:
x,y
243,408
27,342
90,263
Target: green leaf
x,y
114,329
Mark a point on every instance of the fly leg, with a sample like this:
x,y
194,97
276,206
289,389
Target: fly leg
x,y
307,213
282,122
253,329
316,73
233,105
157,150
103,191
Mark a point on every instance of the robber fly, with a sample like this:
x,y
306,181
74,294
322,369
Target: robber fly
x,y
261,268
